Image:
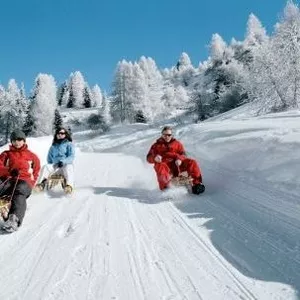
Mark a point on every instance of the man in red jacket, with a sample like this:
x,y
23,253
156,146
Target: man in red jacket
x,y
169,159
19,170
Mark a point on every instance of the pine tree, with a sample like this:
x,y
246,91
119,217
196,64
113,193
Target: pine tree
x,y
58,122
62,94
222,80
13,107
106,110
29,125
76,89
97,96
153,88
71,98
274,80
43,105
122,106
256,36
87,101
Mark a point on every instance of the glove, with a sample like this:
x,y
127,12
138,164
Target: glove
x,y
158,158
178,162
14,172
60,164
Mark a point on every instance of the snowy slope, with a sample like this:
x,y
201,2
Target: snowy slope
x,y
119,238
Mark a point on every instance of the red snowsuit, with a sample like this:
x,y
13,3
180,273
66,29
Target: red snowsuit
x,y
170,152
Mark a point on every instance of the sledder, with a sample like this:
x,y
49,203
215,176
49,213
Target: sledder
x,y
60,163
19,169
171,164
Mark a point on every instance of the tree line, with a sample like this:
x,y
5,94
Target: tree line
x,y
262,70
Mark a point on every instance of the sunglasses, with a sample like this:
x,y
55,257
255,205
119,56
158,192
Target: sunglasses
x,y
61,132
167,134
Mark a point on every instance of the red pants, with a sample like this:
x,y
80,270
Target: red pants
x,y
165,171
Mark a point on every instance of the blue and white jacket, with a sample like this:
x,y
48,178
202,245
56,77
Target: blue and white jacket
x,y
64,152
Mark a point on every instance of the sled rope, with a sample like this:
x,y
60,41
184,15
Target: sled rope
x,y
14,189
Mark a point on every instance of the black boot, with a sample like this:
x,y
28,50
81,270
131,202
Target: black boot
x,y
198,188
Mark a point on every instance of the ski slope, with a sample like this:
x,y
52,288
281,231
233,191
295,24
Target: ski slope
x,y
118,237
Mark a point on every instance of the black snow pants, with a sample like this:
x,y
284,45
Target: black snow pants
x,y
21,190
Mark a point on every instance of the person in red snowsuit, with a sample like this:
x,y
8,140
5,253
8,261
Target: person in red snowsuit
x,y
19,170
169,159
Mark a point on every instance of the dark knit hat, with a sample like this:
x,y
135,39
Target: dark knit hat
x,y
17,134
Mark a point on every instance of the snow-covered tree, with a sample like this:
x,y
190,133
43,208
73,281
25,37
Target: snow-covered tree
x,y
218,48
87,97
222,79
43,105
13,107
63,94
183,73
181,98
274,79
168,97
58,121
106,109
286,47
140,101
255,38
153,87
256,34
183,62
122,106
76,90
97,96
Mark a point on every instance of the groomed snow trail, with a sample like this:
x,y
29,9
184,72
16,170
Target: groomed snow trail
x,y
117,238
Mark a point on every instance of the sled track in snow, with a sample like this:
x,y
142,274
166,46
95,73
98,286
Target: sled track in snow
x,y
32,261
77,220
277,248
149,255
181,220
269,217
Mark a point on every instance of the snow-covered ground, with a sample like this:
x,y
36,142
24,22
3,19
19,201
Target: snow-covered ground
x,y
118,237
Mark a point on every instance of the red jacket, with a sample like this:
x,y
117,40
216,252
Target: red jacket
x,y
22,159
168,151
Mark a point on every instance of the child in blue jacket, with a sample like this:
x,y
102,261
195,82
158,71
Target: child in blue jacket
x,y
59,160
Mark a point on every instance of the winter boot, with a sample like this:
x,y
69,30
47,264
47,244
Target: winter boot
x,y
40,186
68,189
198,188
11,224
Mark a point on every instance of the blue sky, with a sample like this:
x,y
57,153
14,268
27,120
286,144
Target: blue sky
x,y
61,36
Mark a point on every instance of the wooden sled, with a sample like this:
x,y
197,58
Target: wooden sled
x,y
54,180
182,180
5,204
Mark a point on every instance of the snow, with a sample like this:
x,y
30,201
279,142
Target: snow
x,y
118,237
